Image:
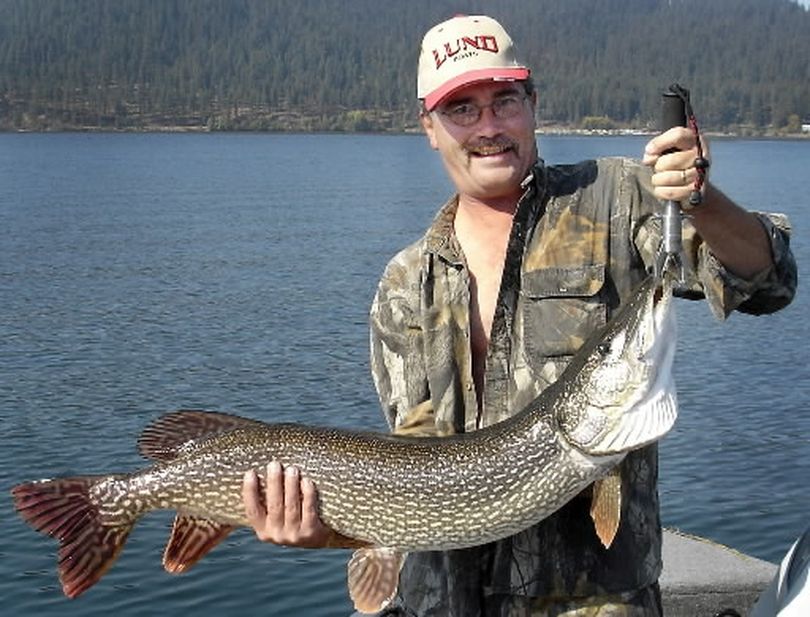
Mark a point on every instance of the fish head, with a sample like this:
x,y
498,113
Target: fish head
x,y
618,393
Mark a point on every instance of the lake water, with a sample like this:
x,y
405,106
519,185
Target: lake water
x,y
145,273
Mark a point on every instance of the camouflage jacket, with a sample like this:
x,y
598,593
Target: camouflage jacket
x,y
582,237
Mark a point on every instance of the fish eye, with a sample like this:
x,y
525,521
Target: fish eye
x,y
603,349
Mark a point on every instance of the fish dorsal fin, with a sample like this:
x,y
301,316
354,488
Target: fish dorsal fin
x,y
177,432
606,506
192,537
374,577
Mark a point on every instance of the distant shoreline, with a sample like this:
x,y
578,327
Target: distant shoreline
x,y
402,120
544,131
650,133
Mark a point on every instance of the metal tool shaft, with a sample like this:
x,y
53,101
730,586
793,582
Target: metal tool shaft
x,y
670,252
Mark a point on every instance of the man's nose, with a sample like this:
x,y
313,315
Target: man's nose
x,y
488,122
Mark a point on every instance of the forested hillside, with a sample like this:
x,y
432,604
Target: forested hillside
x,y
351,64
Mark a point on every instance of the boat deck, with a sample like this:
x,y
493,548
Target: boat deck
x,y
702,577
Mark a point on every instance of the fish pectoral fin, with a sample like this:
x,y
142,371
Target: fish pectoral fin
x,y
374,577
169,435
192,537
606,506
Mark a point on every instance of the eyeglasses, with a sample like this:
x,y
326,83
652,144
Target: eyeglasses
x,y
468,113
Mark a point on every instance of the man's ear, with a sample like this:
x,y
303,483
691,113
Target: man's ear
x,y
427,124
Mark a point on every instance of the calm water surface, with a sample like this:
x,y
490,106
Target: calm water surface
x,y
145,273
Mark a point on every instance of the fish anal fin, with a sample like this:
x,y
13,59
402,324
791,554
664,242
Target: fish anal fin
x,y
191,539
173,433
373,576
65,510
606,506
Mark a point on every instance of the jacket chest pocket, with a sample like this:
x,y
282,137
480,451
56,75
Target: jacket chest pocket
x,y
561,308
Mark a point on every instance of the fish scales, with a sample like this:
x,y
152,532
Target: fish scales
x,y
393,492
364,479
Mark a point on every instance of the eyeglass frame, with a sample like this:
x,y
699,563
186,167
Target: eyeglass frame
x,y
528,93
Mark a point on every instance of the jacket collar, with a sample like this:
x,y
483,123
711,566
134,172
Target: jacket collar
x,y
440,238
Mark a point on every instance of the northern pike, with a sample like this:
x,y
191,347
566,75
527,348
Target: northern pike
x,y
393,494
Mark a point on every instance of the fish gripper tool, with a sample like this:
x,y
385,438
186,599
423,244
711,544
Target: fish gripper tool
x,y
669,258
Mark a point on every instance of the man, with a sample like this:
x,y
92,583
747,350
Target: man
x,y
475,319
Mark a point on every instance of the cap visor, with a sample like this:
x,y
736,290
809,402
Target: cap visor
x,y
472,77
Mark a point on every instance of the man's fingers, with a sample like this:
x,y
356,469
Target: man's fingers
x,y
675,161
309,505
289,514
677,138
274,496
254,511
676,178
292,500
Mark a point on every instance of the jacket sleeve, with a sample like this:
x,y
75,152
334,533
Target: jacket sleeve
x,y
397,342
767,292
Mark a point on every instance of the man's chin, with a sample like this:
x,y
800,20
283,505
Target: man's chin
x,y
498,180
486,192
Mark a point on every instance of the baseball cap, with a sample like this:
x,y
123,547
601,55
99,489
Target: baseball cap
x,y
463,50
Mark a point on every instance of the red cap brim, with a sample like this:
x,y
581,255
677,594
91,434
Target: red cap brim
x,y
472,77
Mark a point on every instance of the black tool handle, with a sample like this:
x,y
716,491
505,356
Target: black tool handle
x,y
673,110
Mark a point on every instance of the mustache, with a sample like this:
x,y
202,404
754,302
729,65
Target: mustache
x,y
484,144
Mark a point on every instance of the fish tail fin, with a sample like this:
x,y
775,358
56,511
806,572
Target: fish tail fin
x,y
64,509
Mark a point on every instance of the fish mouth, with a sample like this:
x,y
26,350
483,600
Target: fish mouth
x,y
655,408
661,301
666,323
630,398
653,326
